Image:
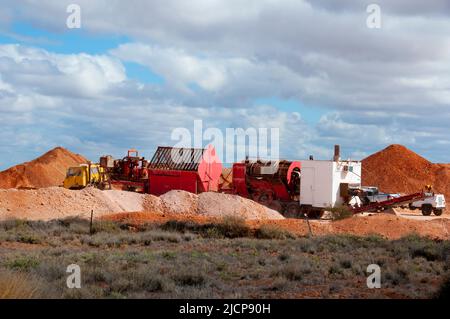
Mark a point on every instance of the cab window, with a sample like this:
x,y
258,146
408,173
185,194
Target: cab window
x,y
73,172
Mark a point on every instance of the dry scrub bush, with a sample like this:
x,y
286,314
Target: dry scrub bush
x,y
18,286
272,232
340,212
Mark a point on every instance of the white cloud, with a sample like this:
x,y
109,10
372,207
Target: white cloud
x,y
57,74
383,86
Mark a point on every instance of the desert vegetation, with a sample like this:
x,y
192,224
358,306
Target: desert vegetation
x,y
226,259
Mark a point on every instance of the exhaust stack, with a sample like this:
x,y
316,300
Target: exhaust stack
x,y
337,153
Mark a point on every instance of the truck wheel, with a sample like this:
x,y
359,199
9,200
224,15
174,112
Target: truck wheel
x,y
411,207
276,205
437,212
292,210
263,198
315,214
426,210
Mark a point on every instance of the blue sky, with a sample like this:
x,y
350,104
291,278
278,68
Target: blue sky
x,y
132,75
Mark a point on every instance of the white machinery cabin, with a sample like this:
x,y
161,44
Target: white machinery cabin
x,y
326,183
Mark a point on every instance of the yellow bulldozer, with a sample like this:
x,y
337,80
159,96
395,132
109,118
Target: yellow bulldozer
x,y
78,177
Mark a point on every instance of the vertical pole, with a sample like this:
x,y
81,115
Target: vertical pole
x,y
91,230
309,227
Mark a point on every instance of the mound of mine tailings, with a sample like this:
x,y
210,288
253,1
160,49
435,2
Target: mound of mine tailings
x,y
396,169
45,171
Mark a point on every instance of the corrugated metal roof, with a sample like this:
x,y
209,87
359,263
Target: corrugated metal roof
x,y
173,158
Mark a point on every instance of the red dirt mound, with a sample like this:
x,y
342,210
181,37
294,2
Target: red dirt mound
x,y
397,169
45,171
388,226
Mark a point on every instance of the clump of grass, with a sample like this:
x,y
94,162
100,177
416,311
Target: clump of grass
x,y
397,276
151,282
105,226
444,291
164,236
335,269
345,263
272,232
228,227
19,286
185,278
340,212
180,226
284,257
28,238
10,224
233,227
22,263
295,270
279,284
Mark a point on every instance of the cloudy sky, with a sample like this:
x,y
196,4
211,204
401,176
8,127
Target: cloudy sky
x,y
136,70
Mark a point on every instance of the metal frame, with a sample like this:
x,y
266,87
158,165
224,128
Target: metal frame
x,y
190,158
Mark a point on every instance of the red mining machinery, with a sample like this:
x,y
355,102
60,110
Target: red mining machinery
x,y
129,173
188,169
273,184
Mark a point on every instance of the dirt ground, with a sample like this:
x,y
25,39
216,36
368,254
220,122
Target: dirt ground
x,y
386,225
181,260
58,202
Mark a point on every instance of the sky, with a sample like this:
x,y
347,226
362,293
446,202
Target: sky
x,y
136,71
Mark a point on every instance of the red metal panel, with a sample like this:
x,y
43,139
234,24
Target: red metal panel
x,y
209,170
239,179
162,181
199,171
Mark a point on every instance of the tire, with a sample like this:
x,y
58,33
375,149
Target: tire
x,y
315,214
264,198
292,210
438,212
427,210
276,205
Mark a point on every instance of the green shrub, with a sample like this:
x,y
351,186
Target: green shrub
x,y
340,212
188,279
233,227
179,226
105,226
10,224
151,282
29,238
22,263
296,270
272,232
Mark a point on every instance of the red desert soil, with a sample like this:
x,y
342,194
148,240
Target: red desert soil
x,y
45,171
397,169
386,225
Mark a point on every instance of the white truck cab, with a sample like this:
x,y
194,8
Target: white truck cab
x,y
371,194
435,203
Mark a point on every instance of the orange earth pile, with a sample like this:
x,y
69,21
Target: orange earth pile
x,y
397,169
45,171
